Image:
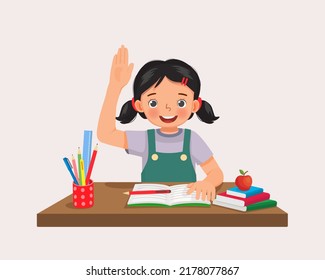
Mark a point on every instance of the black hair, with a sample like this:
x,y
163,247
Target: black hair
x,y
152,73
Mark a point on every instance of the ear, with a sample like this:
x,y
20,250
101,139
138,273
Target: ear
x,y
138,106
196,106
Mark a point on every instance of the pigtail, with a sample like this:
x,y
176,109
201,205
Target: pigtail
x,y
205,113
127,113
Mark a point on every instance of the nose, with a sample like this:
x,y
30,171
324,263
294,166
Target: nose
x,y
168,107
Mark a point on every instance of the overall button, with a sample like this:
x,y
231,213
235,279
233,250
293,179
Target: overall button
x,y
183,157
154,157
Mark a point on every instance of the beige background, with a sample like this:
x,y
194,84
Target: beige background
x,y
261,65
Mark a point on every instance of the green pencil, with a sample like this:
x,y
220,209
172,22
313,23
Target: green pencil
x,y
79,166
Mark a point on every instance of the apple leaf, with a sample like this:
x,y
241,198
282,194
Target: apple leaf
x,y
242,172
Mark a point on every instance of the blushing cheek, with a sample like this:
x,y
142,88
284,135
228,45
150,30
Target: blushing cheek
x,y
152,114
183,114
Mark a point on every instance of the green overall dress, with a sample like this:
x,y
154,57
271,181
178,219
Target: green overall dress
x,y
168,167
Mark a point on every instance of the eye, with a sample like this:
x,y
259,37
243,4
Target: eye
x,y
181,103
153,103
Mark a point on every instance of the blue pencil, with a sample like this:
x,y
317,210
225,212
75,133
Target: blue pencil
x,y
68,165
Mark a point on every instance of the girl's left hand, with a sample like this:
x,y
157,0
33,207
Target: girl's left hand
x,y
207,189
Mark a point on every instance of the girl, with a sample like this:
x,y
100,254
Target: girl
x,y
167,94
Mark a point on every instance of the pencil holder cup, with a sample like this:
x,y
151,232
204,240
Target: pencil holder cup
x,y
83,196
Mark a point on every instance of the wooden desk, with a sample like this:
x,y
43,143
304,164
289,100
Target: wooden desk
x,y
110,210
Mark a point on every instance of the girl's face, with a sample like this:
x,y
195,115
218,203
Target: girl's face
x,y
168,105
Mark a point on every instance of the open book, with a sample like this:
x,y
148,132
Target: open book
x,y
177,197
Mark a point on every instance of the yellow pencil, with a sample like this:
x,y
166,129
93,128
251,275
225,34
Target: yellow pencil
x,y
82,167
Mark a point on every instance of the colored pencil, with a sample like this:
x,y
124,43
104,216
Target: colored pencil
x,y
75,169
147,192
91,165
79,159
68,165
82,178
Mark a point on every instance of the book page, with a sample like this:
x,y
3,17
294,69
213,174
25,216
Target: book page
x,y
149,198
179,196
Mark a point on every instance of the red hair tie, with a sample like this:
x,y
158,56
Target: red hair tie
x,y
200,102
133,105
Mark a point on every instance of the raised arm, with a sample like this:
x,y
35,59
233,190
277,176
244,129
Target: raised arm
x,y
120,75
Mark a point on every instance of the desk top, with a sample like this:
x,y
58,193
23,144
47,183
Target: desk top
x,y
110,209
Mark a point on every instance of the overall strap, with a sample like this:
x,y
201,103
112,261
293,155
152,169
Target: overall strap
x,y
151,141
187,140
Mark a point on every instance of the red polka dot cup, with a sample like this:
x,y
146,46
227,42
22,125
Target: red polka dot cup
x,y
83,196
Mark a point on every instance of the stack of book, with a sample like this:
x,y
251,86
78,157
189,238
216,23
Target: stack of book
x,y
253,199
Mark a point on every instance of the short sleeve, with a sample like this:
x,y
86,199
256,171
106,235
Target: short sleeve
x,y
200,151
137,143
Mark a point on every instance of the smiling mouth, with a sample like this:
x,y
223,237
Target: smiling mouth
x,y
168,119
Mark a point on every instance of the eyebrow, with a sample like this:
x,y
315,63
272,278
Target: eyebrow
x,y
182,94
151,94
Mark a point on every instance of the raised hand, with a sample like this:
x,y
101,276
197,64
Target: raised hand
x,y
121,69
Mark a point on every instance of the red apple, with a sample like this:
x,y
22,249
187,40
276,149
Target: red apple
x,y
243,182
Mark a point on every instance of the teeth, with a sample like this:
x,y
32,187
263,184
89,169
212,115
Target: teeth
x,y
168,117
